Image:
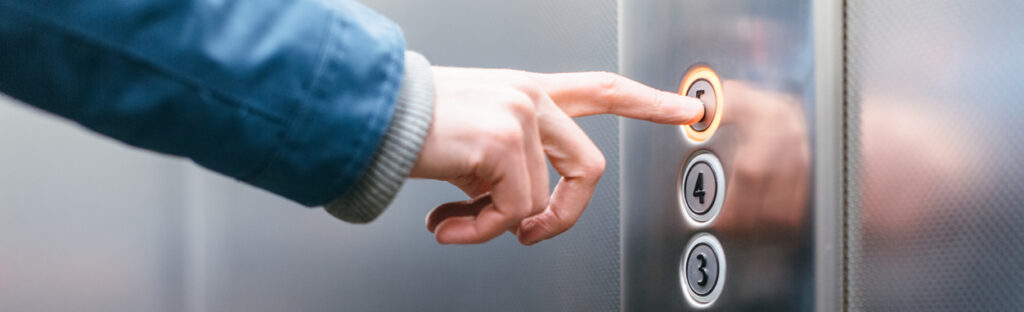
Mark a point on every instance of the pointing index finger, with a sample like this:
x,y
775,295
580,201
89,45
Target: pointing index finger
x,y
592,93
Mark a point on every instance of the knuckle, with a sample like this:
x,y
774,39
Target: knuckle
x,y
561,224
520,213
593,167
609,81
505,136
598,165
521,81
525,84
533,90
589,169
521,106
476,160
611,86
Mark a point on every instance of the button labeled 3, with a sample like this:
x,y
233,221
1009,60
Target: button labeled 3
x,y
702,270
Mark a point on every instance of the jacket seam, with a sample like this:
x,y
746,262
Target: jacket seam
x,y
304,110
361,146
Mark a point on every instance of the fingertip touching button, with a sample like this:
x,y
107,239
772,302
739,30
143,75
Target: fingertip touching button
x,y
701,82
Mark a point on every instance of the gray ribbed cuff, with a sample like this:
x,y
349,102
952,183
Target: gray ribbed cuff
x,y
398,150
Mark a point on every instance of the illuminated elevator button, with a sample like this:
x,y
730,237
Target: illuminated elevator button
x,y
702,90
702,82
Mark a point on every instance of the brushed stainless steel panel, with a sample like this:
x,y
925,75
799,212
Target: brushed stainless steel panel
x,y
935,147
764,53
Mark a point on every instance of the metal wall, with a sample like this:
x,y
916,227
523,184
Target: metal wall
x,y
764,53
935,221
86,224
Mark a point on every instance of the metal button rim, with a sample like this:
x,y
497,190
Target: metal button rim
x,y
703,71
689,256
716,206
695,300
710,107
685,188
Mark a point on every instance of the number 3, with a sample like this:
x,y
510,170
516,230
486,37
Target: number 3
x,y
702,268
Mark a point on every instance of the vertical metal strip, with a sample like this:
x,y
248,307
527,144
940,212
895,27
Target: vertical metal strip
x,y
622,155
828,31
844,192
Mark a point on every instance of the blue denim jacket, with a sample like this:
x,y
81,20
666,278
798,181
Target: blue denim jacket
x,y
292,96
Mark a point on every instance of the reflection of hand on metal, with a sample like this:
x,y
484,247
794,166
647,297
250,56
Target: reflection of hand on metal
x,y
768,184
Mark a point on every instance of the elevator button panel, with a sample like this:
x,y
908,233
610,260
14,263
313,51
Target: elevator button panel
x,y
702,187
701,82
702,270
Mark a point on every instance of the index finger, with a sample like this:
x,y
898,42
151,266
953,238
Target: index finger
x,y
591,93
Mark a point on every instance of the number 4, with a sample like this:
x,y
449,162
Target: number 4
x,y
698,188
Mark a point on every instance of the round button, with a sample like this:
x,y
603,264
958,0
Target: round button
x,y
703,90
700,188
702,269
703,83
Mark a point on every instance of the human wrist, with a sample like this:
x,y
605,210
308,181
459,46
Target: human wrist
x,y
399,148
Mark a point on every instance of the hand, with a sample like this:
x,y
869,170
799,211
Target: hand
x,y
493,129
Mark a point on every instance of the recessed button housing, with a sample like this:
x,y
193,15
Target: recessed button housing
x,y
703,83
702,270
702,187
703,90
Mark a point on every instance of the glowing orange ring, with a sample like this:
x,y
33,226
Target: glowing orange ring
x,y
697,73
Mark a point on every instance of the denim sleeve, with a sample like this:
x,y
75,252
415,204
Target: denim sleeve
x,y
292,96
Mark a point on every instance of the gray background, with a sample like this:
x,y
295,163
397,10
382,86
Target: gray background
x,y
88,224
935,185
